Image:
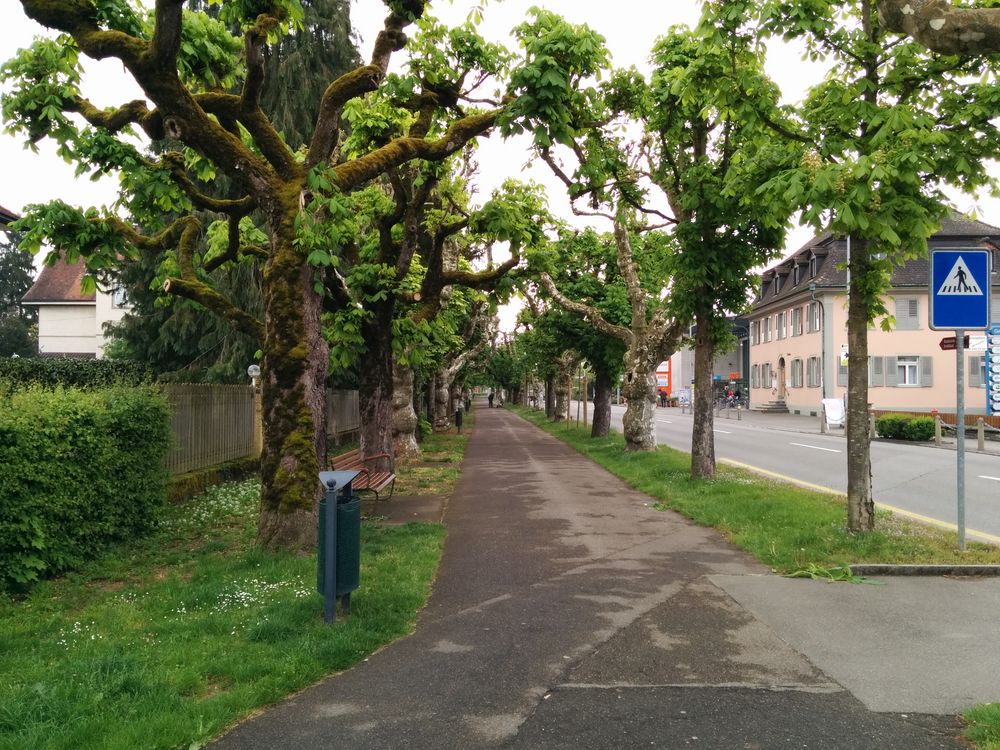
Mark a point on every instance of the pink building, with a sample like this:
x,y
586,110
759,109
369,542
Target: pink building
x,y
798,332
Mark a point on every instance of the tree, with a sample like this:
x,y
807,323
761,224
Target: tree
x,y
887,127
18,331
708,148
184,61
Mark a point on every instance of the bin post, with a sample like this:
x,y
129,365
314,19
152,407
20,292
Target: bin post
x,y
330,551
458,419
981,434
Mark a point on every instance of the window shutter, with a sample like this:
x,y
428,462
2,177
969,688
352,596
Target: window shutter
x,y
876,371
926,372
976,371
891,376
841,373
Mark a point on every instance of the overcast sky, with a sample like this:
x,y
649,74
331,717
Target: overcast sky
x,y
630,31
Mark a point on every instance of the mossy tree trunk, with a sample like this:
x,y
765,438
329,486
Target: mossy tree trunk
x,y
293,394
550,396
639,389
375,381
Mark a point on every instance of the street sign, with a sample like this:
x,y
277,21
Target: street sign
x,y
993,370
949,343
960,289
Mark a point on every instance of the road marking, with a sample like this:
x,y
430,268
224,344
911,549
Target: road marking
x,y
991,538
815,447
995,479
724,432
665,421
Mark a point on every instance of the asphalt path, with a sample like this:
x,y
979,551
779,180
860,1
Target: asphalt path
x,y
916,479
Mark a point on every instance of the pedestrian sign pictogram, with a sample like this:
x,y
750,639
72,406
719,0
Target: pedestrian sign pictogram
x,y
960,281
960,289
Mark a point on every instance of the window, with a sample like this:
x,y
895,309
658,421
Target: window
x,y
780,326
907,314
796,373
797,321
814,322
813,266
977,371
765,375
755,376
755,332
119,298
777,285
767,329
813,372
796,273
906,371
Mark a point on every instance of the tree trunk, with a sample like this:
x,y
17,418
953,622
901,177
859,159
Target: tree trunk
x,y
563,385
429,389
860,503
375,387
602,403
550,397
293,383
442,418
702,437
639,389
404,416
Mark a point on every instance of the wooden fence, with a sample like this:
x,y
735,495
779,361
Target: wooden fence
x,y
213,424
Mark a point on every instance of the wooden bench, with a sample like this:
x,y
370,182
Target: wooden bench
x,y
367,480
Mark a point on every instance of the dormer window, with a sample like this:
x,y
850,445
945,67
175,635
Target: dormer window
x,y
813,266
796,274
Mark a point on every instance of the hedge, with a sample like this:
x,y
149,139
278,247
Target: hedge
x,y
72,372
905,427
81,470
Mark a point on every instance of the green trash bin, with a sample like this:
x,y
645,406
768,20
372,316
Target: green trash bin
x,y
347,550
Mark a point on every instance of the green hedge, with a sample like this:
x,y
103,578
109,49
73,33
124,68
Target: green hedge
x,y
81,470
905,427
72,372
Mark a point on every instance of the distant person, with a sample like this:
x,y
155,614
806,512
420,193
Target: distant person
x,y
739,394
490,399
663,399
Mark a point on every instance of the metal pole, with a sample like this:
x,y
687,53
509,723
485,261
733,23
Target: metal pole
x,y
585,398
960,432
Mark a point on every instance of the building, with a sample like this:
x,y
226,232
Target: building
x,y
729,366
798,332
71,322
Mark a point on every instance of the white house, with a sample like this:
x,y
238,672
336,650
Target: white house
x,y
71,323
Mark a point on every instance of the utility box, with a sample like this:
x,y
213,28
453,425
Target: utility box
x,y
338,555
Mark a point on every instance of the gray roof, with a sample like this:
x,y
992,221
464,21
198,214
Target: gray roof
x,y
7,216
830,252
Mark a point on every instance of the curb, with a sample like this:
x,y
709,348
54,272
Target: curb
x,y
882,569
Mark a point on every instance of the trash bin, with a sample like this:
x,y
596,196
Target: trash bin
x,y
458,419
345,546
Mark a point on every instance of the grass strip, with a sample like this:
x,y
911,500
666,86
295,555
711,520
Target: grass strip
x,y
793,530
168,641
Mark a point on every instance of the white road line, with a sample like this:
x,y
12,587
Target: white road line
x,y
815,447
665,421
724,432
995,479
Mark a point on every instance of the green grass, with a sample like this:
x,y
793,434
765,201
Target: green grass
x,y
437,469
166,642
792,530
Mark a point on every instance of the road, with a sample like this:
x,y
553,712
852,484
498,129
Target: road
x,y
915,479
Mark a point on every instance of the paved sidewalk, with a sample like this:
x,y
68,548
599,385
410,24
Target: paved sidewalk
x,y
568,613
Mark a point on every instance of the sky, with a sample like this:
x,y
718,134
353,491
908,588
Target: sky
x,y
630,32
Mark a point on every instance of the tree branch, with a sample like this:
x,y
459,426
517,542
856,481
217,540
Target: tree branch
x,y
589,313
941,27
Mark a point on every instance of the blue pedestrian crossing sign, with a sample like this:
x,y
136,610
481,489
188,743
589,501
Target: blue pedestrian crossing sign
x,y
960,289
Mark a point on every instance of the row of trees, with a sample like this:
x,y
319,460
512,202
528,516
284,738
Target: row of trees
x,y
345,235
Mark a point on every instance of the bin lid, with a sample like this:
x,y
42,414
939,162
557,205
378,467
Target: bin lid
x,y
334,479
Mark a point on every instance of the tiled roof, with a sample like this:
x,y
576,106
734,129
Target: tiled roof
x,y
59,283
7,216
831,252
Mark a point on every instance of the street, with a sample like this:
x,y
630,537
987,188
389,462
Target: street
x,y
916,479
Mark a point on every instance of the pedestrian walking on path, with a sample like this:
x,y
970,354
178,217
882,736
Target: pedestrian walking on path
x,y
570,613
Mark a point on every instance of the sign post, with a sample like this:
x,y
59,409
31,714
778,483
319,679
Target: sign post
x,y
960,300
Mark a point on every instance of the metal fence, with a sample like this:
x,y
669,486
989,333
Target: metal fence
x,y
213,424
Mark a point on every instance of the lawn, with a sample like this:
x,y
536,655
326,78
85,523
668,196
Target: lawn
x,y
165,642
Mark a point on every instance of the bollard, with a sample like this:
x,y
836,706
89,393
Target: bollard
x,y
871,424
937,429
739,412
458,420
822,421
981,434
